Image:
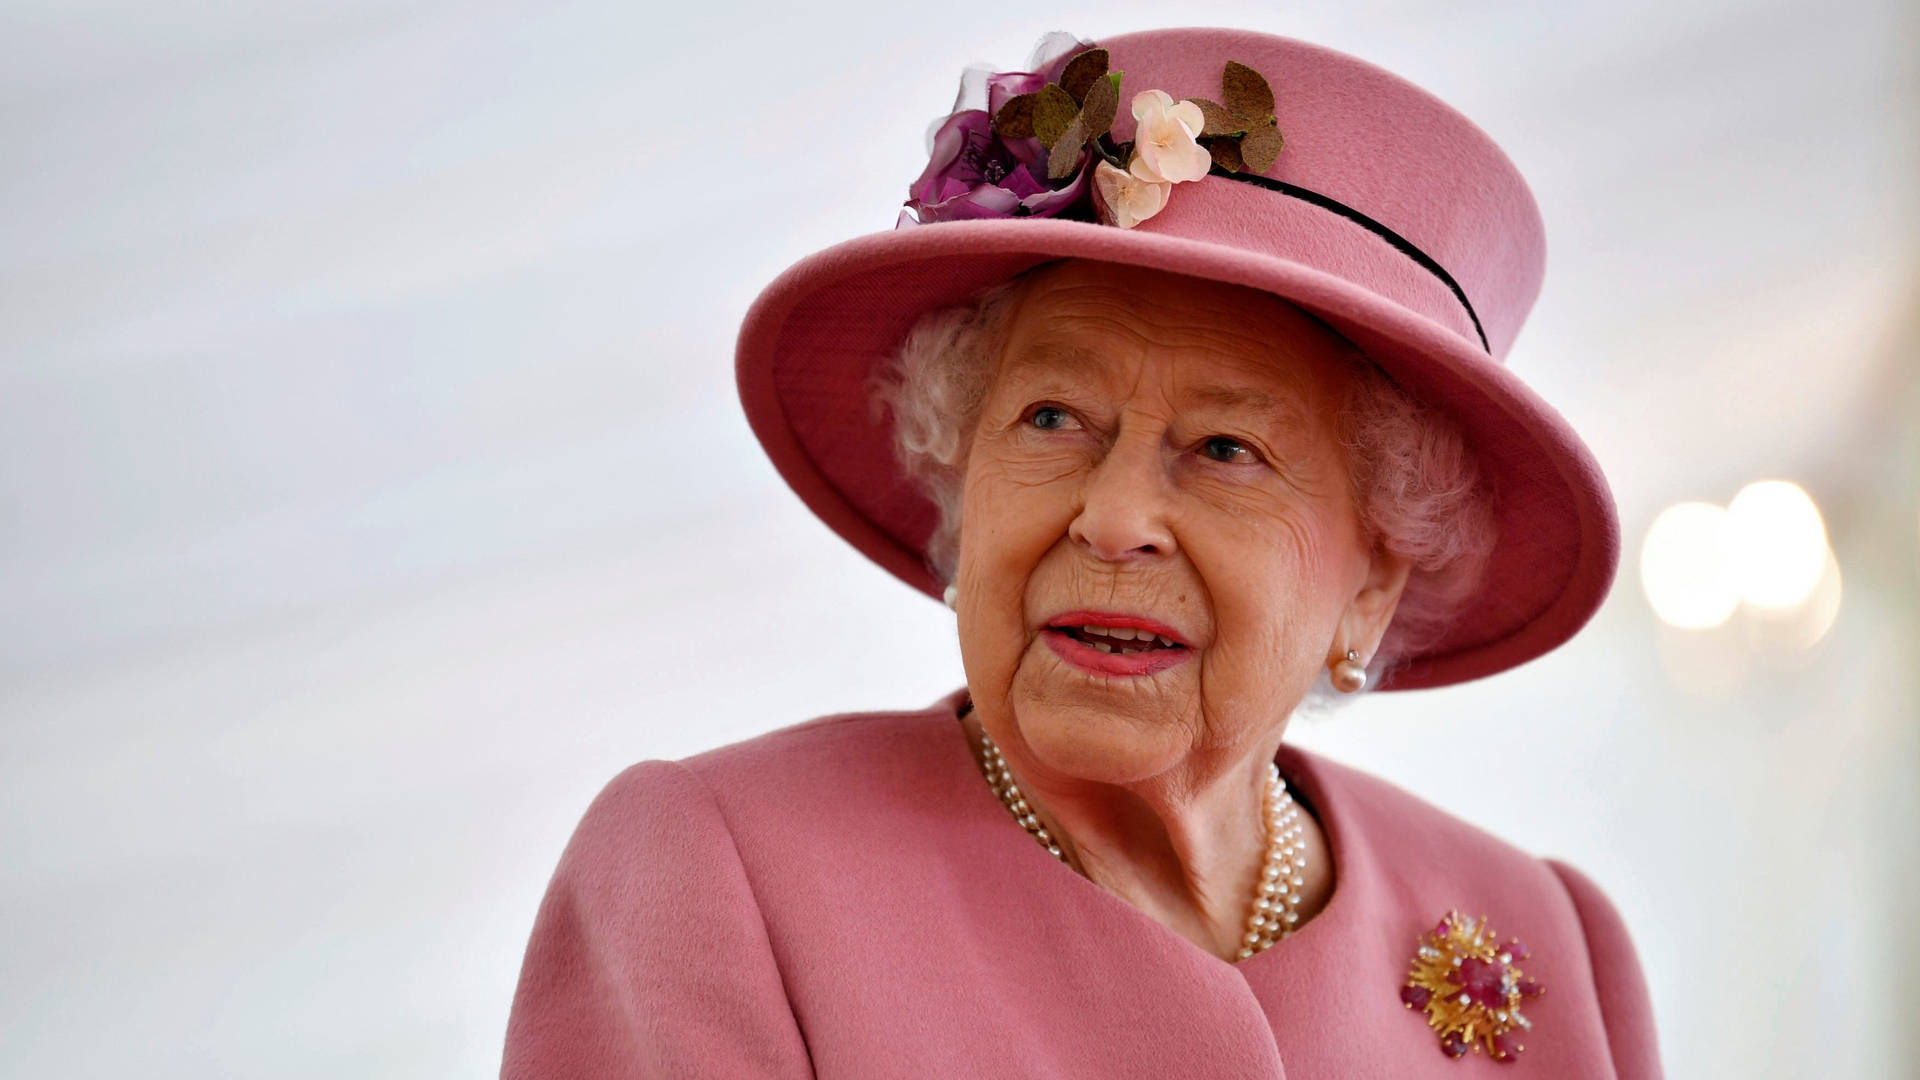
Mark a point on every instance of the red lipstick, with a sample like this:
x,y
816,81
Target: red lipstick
x,y
1102,655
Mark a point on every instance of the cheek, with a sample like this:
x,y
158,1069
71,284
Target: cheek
x,y
1271,575
1012,515
1014,511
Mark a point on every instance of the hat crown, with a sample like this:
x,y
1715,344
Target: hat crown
x,y
1371,141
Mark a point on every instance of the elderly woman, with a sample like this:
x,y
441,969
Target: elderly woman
x,y
1190,422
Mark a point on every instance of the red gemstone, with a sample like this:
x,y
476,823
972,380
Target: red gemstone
x,y
1482,981
1452,1044
1506,1045
1416,996
1517,951
1530,988
1443,927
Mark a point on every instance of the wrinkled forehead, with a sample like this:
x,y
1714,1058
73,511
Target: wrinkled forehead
x,y
1207,341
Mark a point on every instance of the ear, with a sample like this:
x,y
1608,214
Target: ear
x,y
1364,622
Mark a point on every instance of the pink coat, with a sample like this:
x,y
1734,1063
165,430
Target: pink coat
x,y
847,898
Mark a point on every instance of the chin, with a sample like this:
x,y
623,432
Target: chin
x,y
1107,730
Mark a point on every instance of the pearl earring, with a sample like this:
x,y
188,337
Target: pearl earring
x,y
1349,675
952,594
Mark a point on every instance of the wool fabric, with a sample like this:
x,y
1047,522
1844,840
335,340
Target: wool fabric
x,y
845,898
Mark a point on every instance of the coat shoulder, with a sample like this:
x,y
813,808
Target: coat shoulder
x,y
870,747
814,784
808,785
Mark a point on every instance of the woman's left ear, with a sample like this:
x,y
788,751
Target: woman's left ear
x,y
1372,607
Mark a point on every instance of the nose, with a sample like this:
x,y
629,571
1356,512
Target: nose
x,y
1123,509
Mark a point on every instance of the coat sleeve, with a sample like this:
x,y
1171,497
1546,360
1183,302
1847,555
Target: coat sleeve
x,y
649,956
1618,982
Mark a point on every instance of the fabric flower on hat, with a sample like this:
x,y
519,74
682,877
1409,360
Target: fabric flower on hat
x,y
975,174
1166,149
1043,146
1124,198
1029,160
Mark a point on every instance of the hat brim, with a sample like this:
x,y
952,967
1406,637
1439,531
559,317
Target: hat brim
x,y
810,343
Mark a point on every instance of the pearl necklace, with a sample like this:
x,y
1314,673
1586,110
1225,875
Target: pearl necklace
x,y
1276,902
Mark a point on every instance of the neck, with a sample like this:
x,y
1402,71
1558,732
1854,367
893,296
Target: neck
x,y
1185,847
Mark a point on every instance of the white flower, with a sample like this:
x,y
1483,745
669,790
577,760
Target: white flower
x,y
1164,146
1127,199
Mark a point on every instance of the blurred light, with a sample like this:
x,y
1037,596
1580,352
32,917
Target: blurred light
x,y
1823,607
1779,543
1686,568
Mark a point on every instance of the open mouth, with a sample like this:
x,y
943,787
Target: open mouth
x,y
1136,647
1118,639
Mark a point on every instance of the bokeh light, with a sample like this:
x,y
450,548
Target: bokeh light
x,y
1778,543
1788,636
1686,566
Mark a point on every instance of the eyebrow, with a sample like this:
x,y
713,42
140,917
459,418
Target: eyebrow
x,y
1047,356
1282,410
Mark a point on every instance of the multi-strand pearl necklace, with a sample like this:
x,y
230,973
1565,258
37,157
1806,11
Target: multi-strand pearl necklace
x,y
1276,901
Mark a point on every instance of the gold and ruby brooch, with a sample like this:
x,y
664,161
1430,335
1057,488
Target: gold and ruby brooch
x,y
1470,986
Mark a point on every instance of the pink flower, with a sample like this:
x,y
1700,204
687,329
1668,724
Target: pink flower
x,y
1165,142
1125,199
973,173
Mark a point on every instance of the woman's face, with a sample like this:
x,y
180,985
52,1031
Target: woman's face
x,y
1157,454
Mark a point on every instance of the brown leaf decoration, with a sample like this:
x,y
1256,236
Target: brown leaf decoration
x,y
1247,94
1260,148
1053,111
1226,154
1098,110
1218,120
1015,118
1082,71
1064,155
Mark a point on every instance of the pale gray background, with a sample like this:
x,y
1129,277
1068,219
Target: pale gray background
x,y
372,487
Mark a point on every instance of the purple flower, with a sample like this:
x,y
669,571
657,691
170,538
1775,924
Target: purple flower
x,y
974,173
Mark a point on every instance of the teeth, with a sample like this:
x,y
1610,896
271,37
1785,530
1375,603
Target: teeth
x,y
1118,633
1102,646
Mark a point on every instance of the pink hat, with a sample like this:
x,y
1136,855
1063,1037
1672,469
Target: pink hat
x,y
1388,215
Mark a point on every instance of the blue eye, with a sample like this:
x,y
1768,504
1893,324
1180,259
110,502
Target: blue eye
x,y
1049,418
1222,448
